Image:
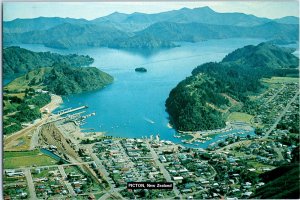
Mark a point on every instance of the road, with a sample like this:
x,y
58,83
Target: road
x,y
102,169
31,188
275,95
280,116
35,138
112,192
64,177
162,169
69,164
9,141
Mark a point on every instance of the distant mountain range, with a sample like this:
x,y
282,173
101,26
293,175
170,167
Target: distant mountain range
x,y
139,30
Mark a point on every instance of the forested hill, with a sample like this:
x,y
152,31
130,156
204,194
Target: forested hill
x,y
18,61
62,79
199,101
263,55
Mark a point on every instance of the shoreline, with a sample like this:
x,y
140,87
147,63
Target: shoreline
x,y
73,130
55,102
208,133
169,125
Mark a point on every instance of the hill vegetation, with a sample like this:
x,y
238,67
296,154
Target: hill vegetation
x,y
282,183
18,61
61,79
198,103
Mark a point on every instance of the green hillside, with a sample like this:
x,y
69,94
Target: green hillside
x,y
62,79
18,61
199,103
263,55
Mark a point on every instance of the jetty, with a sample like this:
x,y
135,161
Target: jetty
x,y
70,110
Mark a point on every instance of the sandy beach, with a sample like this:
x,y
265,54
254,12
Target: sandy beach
x,y
55,102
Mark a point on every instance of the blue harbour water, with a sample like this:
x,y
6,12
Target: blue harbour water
x,y
134,105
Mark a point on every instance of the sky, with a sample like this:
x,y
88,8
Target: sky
x,y
91,10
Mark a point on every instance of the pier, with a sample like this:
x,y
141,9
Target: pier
x,y
74,116
70,110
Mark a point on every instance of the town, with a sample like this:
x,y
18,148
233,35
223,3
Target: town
x,y
91,165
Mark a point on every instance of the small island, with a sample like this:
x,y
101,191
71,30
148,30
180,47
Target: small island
x,y
140,69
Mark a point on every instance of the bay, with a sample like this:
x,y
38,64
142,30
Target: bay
x,y
134,105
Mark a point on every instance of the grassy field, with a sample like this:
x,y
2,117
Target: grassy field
x,y
238,153
19,95
72,169
26,159
98,195
23,143
238,116
276,79
23,82
44,172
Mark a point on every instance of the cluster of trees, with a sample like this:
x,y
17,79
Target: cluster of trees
x,y
292,124
238,75
18,111
187,104
18,61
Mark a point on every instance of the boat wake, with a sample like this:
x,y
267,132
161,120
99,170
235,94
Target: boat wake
x,y
149,120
